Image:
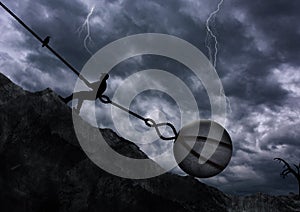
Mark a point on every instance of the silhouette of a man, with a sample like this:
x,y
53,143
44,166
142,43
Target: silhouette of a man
x,y
88,95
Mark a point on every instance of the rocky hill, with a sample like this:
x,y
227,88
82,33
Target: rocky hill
x,y
42,168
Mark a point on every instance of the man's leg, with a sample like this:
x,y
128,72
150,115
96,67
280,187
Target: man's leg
x,y
81,96
79,104
67,99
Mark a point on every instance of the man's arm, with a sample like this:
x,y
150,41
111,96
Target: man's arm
x,y
94,85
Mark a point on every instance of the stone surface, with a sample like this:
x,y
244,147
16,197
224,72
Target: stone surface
x,y
203,148
265,203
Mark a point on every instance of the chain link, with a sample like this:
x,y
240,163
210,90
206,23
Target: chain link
x,y
148,121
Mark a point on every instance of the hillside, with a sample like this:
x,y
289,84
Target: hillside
x,y
42,168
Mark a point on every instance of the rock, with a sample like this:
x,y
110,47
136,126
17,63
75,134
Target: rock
x,y
9,91
265,203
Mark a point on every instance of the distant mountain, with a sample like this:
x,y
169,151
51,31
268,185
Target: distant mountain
x,y
43,168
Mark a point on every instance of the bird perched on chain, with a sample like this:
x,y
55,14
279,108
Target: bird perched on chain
x,y
46,41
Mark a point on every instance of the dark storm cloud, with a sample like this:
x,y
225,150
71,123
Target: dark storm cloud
x,y
277,22
245,69
265,37
284,138
258,63
64,17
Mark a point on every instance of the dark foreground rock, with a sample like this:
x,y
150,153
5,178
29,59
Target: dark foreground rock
x,y
265,203
42,168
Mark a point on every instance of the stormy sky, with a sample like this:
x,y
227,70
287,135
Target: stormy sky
x,y
258,62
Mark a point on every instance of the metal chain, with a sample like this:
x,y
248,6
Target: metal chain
x,y
148,121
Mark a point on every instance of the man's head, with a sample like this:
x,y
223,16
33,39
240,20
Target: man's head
x,y
104,76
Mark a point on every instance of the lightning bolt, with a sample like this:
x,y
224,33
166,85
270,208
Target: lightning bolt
x,y
86,25
211,36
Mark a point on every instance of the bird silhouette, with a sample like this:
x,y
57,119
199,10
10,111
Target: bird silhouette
x,y
46,41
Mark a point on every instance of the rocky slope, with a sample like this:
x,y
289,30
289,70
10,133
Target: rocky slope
x,y
264,203
42,168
